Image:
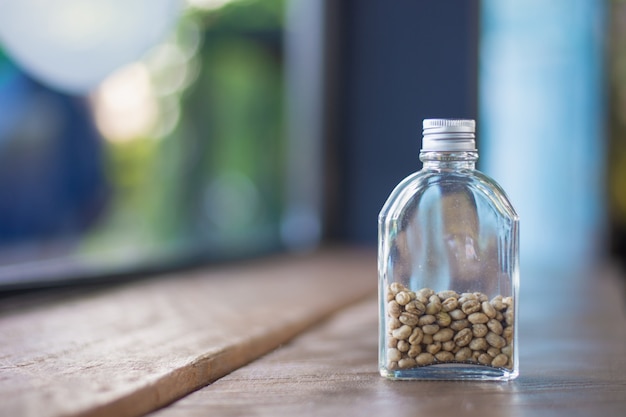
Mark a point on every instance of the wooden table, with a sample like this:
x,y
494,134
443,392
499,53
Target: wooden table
x,y
138,348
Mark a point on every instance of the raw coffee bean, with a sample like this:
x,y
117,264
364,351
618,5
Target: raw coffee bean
x,y
427,340
406,363
394,309
444,295
500,360
408,318
430,329
484,359
467,296
488,309
403,332
459,325
480,330
444,356
427,319
493,352
393,324
403,346
495,340
415,307
392,342
416,336
421,298
478,344
497,303
424,358
463,338
425,292
508,316
481,297
443,319
463,354
495,326
469,307
507,333
508,350
449,304
396,287
434,305
433,348
414,351
457,314
443,335
403,298
393,355
448,346
478,318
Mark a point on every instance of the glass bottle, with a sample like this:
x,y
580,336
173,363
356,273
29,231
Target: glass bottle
x,y
448,249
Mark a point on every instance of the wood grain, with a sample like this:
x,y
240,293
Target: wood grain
x,y
572,363
130,349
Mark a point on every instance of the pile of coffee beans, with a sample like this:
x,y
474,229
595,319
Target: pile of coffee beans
x,y
426,328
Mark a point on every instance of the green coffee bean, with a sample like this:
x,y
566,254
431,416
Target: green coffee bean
x,y
459,325
443,335
463,337
477,317
424,358
480,330
449,304
425,328
403,298
443,319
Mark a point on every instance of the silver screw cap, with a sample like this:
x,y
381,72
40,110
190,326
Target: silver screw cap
x,y
449,135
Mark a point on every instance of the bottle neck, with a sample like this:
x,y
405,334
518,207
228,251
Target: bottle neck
x,y
441,160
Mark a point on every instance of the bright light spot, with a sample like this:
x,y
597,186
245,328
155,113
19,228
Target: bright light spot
x,y
124,105
169,116
208,4
73,45
168,68
188,36
80,25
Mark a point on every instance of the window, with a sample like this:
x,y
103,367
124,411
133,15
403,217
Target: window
x,y
176,155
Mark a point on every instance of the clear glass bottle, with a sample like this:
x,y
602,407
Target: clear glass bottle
x,y
448,267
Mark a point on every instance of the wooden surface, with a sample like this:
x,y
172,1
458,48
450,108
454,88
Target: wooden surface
x,y
572,363
129,349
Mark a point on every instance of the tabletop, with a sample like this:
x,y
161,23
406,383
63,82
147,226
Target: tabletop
x,y
294,334
572,363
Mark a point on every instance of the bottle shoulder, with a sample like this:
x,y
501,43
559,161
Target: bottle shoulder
x,y
435,183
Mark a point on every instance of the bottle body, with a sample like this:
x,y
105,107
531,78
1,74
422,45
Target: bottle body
x,y
448,274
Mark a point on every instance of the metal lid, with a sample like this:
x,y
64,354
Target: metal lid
x,y
449,135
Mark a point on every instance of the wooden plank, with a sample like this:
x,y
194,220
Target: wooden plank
x,y
130,349
572,363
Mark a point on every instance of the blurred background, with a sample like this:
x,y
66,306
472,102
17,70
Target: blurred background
x,y
140,136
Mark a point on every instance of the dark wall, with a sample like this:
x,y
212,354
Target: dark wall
x,y
394,64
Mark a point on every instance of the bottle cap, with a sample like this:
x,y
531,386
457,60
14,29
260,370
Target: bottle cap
x,y
449,135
